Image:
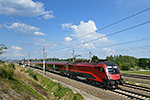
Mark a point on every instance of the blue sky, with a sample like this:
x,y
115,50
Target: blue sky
x,y
28,25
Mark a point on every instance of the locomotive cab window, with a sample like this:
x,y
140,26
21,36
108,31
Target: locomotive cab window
x,y
100,69
113,69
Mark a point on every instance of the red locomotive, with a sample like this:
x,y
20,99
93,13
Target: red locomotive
x,y
103,73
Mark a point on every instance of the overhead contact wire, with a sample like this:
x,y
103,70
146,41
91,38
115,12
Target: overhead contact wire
x,y
109,34
144,39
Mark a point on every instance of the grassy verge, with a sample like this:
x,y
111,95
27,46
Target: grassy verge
x,y
9,81
31,85
57,91
137,72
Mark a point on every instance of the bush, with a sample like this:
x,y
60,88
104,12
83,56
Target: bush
x,y
1,62
34,76
11,65
6,72
147,68
137,67
31,73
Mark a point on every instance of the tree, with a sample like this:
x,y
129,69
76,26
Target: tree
x,y
142,63
125,66
124,62
2,47
148,63
94,58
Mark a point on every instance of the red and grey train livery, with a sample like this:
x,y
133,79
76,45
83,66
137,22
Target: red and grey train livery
x,y
104,73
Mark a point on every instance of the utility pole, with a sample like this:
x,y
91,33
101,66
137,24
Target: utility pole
x,y
5,59
43,60
90,56
22,60
28,58
54,58
73,55
46,56
54,64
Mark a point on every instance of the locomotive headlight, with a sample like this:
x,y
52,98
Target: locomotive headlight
x,y
108,77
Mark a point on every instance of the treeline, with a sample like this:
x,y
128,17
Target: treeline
x,y
129,62
124,62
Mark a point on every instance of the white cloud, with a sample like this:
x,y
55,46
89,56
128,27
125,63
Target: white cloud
x,y
39,33
68,38
72,35
108,51
54,44
17,54
43,42
25,8
84,28
48,16
22,27
0,26
15,51
66,25
16,48
87,27
89,46
25,29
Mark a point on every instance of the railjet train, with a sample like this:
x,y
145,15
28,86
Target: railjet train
x,y
102,73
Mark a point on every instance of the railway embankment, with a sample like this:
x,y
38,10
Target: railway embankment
x,y
24,84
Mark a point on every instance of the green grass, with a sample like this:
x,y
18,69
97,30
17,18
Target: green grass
x,y
131,82
137,72
1,96
125,80
21,88
144,85
58,91
31,73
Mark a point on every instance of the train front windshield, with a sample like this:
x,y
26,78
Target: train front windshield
x,y
113,69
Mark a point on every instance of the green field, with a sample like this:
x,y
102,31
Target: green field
x,y
137,72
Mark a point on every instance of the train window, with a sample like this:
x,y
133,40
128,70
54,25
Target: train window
x,y
113,69
100,69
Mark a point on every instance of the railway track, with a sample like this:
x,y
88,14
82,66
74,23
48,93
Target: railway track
x,y
136,76
123,92
142,88
131,91
131,95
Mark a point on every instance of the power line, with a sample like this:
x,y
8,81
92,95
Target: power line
x,y
144,39
132,48
126,49
108,25
108,35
